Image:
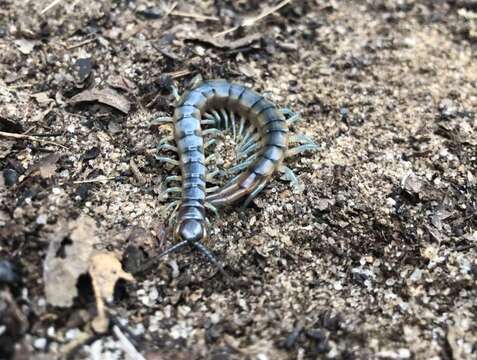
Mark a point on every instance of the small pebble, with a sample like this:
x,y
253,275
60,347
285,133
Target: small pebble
x,y
42,219
10,176
7,272
72,334
40,344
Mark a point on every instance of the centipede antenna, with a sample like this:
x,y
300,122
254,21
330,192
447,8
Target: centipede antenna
x,y
154,260
208,254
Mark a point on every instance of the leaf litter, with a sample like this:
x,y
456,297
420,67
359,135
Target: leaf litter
x,y
67,258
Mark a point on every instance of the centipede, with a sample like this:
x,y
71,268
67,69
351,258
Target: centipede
x,y
261,132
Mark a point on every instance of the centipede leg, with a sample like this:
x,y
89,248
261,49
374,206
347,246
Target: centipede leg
x,y
166,139
254,193
166,146
300,149
254,138
212,208
208,122
210,143
212,118
175,189
167,160
300,139
291,116
242,166
248,150
212,189
210,131
218,118
173,205
225,116
291,177
240,129
232,180
248,133
172,178
162,120
234,129
210,177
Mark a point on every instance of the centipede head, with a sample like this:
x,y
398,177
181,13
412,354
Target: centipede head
x,y
191,233
190,230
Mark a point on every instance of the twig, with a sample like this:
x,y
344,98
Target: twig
x,y
250,21
171,9
127,346
53,3
179,73
198,17
74,46
29,137
99,179
48,135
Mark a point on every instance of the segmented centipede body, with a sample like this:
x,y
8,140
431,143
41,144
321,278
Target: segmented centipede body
x,y
263,116
262,131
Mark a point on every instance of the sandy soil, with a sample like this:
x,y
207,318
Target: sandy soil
x,y
375,259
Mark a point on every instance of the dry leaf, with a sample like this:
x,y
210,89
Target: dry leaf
x,y
68,257
45,167
105,270
122,83
25,46
106,96
412,183
42,98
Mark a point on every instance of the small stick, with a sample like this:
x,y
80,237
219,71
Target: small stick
x,y
99,179
47,135
250,21
53,3
171,9
198,17
179,73
29,137
74,46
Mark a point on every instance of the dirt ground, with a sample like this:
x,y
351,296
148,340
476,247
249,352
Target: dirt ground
x,y
375,259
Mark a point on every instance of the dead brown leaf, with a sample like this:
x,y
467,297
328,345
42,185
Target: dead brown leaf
x,y
105,96
42,98
68,257
105,270
122,83
45,167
